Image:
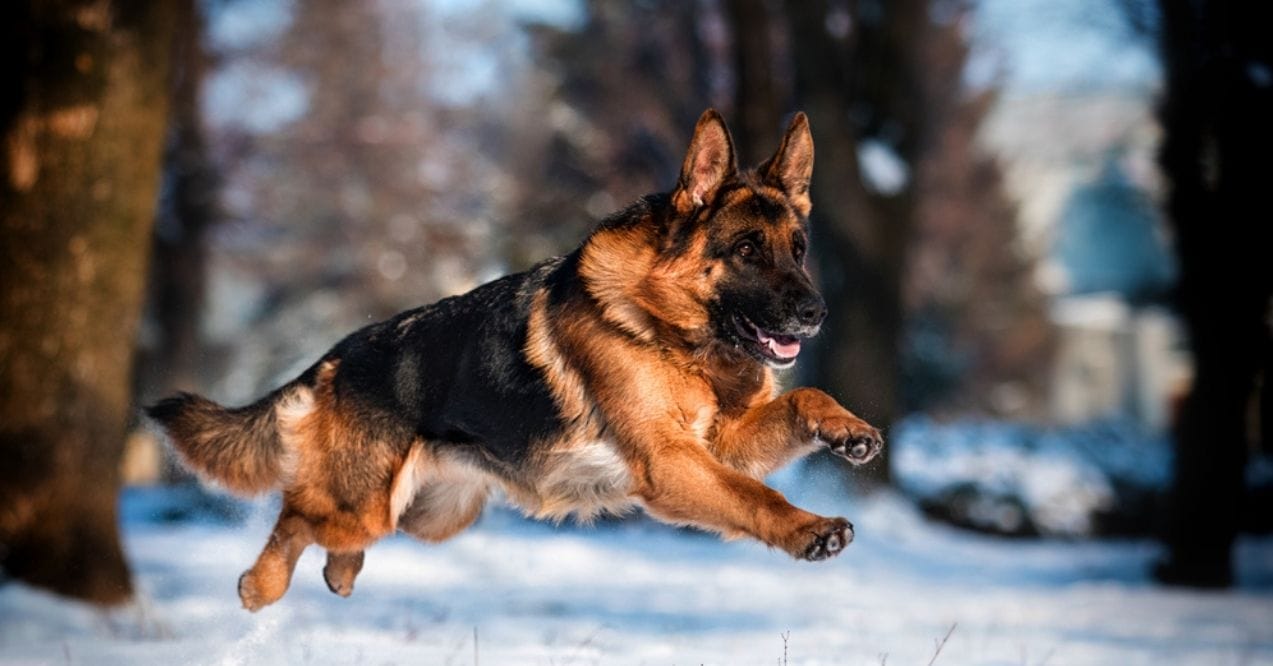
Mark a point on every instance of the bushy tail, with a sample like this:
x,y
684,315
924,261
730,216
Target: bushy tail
x,y
240,448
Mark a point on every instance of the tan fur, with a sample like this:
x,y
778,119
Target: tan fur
x,y
542,351
330,443
271,575
676,290
319,504
614,265
238,449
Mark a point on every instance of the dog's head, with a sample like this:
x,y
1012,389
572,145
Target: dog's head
x,y
752,234
724,263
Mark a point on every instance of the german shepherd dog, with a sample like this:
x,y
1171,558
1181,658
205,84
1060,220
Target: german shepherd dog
x,y
635,371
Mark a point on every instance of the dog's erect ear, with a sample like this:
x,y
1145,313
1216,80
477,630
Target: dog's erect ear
x,y
791,168
709,161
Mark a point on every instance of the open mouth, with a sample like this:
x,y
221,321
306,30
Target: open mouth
x,y
778,349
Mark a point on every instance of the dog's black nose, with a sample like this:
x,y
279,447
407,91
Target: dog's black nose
x,y
811,310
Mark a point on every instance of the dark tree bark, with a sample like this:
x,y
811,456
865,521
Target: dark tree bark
x,y
1216,116
758,104
640,74
83,123
187,209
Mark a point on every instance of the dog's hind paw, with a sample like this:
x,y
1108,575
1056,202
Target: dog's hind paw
x,y
341,570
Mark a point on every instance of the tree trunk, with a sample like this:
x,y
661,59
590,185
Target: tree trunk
x,y
1217,139
187,209
83,125
757,103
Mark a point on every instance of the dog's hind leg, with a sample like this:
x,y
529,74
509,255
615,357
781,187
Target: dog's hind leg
x,y
269,578
341,570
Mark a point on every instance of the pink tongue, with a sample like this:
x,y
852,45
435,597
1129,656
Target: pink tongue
x,y
782,347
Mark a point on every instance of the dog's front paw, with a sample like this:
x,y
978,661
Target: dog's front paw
x,y
851,438
825,539
825,420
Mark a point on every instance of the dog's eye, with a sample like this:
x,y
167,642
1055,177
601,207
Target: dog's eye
x,y
745,249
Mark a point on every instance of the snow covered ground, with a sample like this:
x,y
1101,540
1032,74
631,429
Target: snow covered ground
x,y
1021,478
635,592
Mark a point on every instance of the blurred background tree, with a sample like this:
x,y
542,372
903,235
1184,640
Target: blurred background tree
x,y
83,116
1217,138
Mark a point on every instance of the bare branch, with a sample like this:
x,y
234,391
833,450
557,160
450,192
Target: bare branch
x,y
942,643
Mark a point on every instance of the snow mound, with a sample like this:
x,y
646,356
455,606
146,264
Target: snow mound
x,y
1019,479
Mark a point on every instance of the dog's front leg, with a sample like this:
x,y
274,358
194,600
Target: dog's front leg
x,y
770,435
683,483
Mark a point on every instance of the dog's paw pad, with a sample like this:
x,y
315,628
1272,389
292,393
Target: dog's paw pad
x,y
857,444
829,538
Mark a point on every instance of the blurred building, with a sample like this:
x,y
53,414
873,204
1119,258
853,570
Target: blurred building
x,y
1081,166
1113,359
